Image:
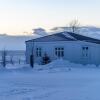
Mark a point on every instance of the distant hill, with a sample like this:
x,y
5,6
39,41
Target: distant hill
x,y
14,42
18,42
90,31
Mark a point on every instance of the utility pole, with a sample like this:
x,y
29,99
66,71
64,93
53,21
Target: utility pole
x,y
32,56
4,54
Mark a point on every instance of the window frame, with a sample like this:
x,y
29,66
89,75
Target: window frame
x,y
38,52
59,51
85,51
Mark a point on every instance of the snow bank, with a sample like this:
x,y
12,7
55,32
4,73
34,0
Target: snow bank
x,y
56,65
61,63
14,66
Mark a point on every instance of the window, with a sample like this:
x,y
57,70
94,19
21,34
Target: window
x,y
38,52
59,52
85,53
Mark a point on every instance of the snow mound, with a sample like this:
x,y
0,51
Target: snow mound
x,y
59,63
62,64
54,66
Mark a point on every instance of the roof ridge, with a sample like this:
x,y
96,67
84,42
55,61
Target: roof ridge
x,y
68,35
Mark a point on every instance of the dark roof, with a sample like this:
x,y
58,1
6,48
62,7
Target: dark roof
x,y
65,36
84,38
53,37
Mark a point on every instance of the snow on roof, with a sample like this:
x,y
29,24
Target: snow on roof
x,y
66,36
53,37
85,38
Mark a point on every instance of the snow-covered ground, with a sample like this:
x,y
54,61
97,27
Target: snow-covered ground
x,y
52,83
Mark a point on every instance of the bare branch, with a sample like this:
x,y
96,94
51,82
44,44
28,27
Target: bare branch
x,y
74,25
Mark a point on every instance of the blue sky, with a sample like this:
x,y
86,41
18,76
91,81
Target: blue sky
x,y
18,16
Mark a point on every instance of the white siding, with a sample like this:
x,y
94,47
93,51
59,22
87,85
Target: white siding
x,y
72,51
29,46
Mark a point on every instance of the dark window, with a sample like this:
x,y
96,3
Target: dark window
x,y
59,52
38,52
85,51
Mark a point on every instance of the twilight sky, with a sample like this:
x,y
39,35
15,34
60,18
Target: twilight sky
x,y
18,16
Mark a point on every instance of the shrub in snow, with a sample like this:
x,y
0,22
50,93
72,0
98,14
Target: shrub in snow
x,y
45,59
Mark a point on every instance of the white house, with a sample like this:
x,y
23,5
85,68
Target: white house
x,y
69,46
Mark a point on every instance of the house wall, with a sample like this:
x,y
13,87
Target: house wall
x,y
72,51
29,51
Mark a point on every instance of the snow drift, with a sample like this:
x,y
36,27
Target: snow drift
x,y
61,63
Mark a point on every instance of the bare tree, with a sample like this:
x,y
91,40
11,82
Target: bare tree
x,y
4,54
74,25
